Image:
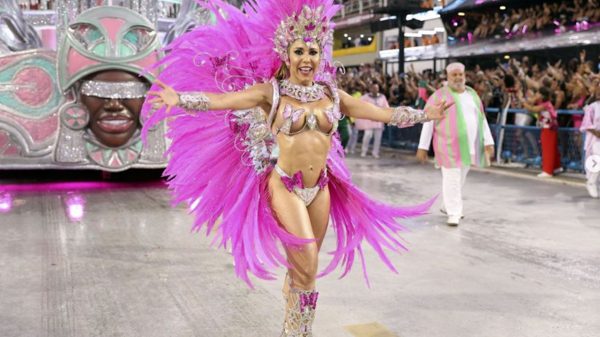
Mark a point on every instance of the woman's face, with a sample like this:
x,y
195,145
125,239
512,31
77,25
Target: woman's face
x,y
304,62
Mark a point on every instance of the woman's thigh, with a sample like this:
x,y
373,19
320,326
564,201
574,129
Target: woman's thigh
x,y
318,212
293,216
289,210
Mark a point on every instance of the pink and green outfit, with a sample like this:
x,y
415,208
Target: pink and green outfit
x,y
450,138
459,141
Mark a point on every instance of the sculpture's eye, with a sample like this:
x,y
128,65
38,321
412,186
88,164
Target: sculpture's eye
x,y
89,37
136,40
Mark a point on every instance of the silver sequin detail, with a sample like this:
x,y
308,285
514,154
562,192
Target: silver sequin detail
x,y
115,90
71,146
257,142
302,93
41,17
155,146
311,120
298,319
275,105
404,116
193,101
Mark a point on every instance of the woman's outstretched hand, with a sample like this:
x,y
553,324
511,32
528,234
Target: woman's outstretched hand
x,y
436,111
167,96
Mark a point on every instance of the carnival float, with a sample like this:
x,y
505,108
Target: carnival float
x,y
73,78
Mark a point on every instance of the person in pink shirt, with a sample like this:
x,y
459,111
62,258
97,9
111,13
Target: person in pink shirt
x,y
590,126
372,128
548,122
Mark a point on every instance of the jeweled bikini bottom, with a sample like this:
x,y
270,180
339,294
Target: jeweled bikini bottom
x,y
295,184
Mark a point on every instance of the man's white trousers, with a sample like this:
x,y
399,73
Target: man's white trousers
x,y
453,180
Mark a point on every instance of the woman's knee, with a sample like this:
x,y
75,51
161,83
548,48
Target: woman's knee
x,y
304,261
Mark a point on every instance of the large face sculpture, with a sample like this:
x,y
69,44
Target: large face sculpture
x,y
104,50
114,100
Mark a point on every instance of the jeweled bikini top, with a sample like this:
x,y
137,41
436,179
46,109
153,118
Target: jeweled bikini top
x,y
291,113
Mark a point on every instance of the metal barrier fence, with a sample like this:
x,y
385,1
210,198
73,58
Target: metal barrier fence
x,y
514,144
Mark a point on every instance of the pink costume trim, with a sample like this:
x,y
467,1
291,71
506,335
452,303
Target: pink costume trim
x,y
308,300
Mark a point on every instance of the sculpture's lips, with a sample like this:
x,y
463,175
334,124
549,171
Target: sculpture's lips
x,y
111,122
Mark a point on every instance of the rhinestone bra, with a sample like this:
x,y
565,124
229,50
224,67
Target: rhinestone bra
x,y
292,113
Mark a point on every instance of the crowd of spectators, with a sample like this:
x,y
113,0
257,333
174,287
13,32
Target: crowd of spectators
x,y
557,16
573,83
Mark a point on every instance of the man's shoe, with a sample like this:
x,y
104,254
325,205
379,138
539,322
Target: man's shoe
x,y
453,220
443,210
559,170
544,175
592,190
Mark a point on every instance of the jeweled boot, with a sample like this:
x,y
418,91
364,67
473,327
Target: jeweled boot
x,y
299,313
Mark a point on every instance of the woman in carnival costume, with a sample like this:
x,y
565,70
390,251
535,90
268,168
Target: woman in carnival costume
x,y
258,83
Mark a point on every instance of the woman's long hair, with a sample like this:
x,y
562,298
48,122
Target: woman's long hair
x,y
282,73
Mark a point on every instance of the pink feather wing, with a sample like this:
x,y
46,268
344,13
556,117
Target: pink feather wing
x,y
208,167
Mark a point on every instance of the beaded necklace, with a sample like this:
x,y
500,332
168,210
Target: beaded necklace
x,y
302,93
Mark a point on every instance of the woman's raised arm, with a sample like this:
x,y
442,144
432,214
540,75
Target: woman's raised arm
x,y
257,95
401,116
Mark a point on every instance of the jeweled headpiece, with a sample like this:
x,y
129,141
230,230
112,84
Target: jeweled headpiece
x,y
310,25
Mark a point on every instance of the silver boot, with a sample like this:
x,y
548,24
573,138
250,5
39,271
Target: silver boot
x,y
299,313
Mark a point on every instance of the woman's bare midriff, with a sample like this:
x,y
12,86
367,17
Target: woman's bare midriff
x,y
306,152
